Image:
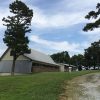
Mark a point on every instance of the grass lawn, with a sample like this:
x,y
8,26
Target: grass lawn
x,y
40,86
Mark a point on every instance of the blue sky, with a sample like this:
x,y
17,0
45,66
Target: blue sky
x,y
56,26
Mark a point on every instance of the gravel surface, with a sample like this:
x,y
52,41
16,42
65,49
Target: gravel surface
x,y
85,87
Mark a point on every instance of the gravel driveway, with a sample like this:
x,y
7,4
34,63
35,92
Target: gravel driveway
x,y
85,87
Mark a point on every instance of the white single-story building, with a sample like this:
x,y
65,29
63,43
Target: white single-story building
x,y
27,63
67,67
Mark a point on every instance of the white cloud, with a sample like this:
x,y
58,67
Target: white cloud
x,y
93,38
72,48
92,35
63,45
59,19
65,19
3,13
82,4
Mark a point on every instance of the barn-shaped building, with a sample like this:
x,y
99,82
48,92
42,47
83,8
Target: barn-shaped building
x,y
27,63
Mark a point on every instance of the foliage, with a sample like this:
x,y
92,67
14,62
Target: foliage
x,y
17,27
41,86
61,57
92,54
77,60
94,15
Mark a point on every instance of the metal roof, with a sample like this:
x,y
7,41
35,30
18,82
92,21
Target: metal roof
x,y
41,57
36,56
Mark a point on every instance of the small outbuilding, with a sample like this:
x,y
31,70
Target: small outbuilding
x,y
27,63
67,67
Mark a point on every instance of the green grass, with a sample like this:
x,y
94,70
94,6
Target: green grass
x,y
40,86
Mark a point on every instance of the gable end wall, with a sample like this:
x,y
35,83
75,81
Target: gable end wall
x,y
8,57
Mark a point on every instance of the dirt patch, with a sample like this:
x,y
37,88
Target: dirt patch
x,y
86,87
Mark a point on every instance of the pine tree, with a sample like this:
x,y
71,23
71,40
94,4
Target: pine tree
x,y
17,27
94,15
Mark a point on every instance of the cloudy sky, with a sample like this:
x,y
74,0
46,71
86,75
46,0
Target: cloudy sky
x,y
56,26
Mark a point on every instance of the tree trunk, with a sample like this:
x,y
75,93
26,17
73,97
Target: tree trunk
x,y
13,67
94,65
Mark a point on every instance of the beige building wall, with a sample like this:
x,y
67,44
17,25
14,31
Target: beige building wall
x,y
62,68
8,57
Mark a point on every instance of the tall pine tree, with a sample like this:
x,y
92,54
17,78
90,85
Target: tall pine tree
x,y
17,27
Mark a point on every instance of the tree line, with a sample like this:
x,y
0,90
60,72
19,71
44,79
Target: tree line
x,y
91,57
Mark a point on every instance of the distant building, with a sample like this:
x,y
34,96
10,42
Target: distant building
x,y
67,67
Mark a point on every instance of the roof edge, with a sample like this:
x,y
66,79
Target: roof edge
x,y
4,53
